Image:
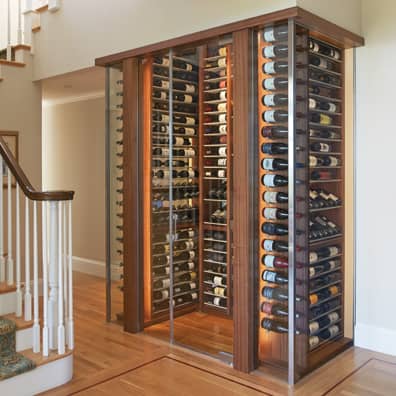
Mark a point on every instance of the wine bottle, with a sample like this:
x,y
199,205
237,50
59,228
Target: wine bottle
x,y
320,62
161,283
275,100
324,307
272,325
321,175
314,46
274,132
275,293
184,65
221,62
274,148
217,51
320,147
330,161
272,261
325,252
275,197
185,98
275,83
278,67
316,325
327,106
275,246
330,332
313,341
322,119
275,51
272,116
274,229
160,83
274,309
162,95
275,214
274,180
273,164
161,294
218,301
274,277
275,33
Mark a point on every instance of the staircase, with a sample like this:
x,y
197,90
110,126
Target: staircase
x,y
36,294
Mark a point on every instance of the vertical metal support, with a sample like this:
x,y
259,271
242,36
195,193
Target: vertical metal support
x,y
171,226
9,48
291,192
354,192
108,198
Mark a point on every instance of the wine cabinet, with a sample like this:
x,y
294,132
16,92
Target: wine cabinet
x,y
228,215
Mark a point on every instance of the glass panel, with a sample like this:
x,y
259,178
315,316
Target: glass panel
x,y
202,100
114,134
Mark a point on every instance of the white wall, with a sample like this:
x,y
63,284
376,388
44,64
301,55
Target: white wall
x,y
376,180
345,13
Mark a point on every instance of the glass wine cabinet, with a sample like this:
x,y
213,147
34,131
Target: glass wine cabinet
x,y
226,171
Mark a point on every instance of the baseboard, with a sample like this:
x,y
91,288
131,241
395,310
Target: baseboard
x,y
91,267
377,339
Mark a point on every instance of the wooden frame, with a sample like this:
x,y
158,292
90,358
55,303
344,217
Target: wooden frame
x,y
343,37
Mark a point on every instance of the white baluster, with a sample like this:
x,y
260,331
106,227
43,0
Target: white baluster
x,y
45,281
53,277
70,268
61,327
9,51
27,22
36,324
65,274
10,261
19,33
18,254
28,295
2,260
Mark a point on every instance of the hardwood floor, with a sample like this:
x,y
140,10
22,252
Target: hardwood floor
x,y
201,331
108,361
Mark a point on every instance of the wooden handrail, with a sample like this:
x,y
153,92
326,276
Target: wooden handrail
x,y
24,182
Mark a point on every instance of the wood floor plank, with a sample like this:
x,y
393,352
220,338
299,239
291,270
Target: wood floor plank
x,y
108,361
168,377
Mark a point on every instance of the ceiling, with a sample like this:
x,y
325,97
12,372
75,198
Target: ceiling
x,y
73,87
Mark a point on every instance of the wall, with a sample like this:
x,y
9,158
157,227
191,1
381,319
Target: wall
x,y
73,158
81,31
20,110
376,187
343,13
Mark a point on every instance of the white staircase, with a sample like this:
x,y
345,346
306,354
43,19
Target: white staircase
x,y
36,278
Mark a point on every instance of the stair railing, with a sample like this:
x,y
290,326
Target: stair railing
x,y
54,329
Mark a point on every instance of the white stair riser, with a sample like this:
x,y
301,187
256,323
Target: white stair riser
x,y
22,55
24,339
7,303
41,379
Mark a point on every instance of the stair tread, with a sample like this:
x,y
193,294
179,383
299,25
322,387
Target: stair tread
x,y
21,46
4,288
40,360
20,323
14,364
12,63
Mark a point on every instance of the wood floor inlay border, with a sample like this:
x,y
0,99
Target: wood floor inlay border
x,y
179,361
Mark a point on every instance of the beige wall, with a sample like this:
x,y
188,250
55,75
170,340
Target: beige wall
x,y
20,110
74,158
375,178
81,31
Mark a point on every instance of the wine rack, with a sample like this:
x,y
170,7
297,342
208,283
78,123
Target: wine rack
x,y
215,180
317,157
326,274
115,121
273,193
179,170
